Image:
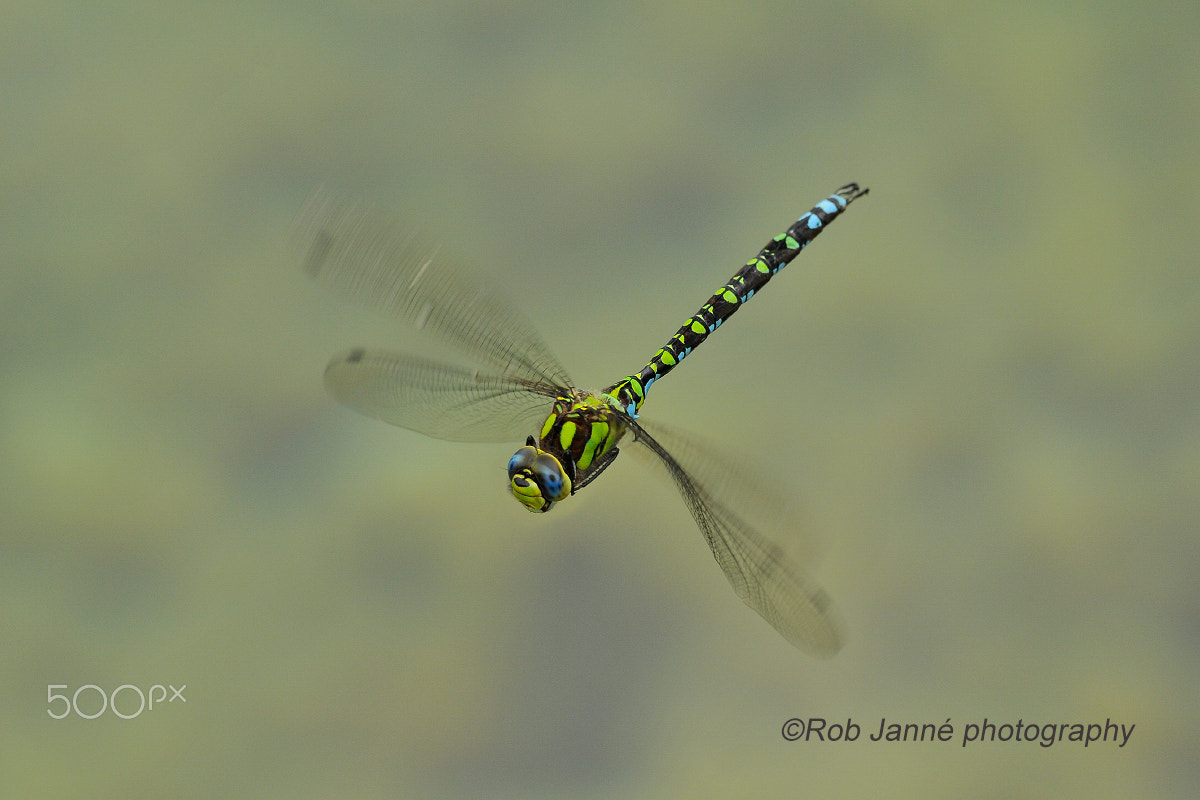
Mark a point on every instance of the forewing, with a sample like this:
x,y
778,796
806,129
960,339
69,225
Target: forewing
x,y
364,257
439,400
761,573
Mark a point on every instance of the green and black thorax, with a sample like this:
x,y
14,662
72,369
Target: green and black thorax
x,y
576,442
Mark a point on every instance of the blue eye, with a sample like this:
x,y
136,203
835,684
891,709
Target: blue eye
x,y
549,479
522,459
537,478
549,475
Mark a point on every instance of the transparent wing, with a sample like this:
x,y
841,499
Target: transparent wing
x,y
363,257
761,573
439,400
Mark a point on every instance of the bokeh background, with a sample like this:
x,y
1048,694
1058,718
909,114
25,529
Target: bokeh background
x,y
982,386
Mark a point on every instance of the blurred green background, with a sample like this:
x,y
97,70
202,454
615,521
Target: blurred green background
x,y
982,385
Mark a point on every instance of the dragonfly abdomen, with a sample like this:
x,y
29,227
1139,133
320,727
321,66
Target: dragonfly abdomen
x,y
630,392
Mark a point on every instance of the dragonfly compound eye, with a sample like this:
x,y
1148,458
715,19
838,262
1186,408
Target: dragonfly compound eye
x,y
537,479
521,460
551,477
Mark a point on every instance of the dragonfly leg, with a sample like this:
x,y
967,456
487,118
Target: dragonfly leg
x,y
601,465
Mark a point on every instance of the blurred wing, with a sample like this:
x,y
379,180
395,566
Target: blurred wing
x,y
361,256
439,400
761,573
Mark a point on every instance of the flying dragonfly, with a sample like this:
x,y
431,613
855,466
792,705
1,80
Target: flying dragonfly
x,y
520,387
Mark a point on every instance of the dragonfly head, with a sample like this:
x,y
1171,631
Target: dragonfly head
x,y
537,478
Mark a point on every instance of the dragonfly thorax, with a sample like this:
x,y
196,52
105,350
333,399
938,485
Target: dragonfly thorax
x,y
576,442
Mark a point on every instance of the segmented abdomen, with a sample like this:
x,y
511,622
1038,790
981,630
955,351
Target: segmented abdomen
x,y
630,392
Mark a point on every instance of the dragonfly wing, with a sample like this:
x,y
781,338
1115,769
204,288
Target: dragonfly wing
x,y
365,258
444,401
761,573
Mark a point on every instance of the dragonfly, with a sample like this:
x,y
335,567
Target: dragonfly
x,y
517,385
